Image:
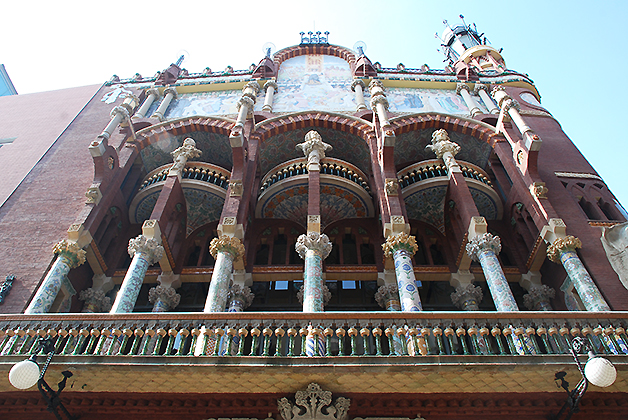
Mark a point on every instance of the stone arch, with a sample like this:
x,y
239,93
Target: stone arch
x,y
154,133
314,49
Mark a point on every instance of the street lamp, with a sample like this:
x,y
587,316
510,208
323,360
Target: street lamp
x,y
25,374
597,371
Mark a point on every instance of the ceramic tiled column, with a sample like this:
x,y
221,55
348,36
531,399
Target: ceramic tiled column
x,y
484,248
313,248
145,252
401,247
226,250
69,255
563,250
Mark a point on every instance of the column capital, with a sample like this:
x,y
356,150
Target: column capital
x,y
313,241
441,144
171,90
151,248
272,84
95,300
242,294
568,243
483,242
399,241
120,110
254,86
480,86
153,91
71,251
510,103
182,154
357,82
461,86
229,244
245,101
325,293
538,294
467,297
387,293
379,99
376,84
166,294
313,148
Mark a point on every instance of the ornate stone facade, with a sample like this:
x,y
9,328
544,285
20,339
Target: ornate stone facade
x,y
314,404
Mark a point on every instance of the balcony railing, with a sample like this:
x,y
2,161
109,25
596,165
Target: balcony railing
x,y
436,168
326,334
200,171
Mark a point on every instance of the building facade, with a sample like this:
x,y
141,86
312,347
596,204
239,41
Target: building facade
x,y
315,236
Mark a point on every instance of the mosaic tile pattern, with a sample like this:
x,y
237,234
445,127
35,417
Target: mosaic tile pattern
x,y
497,283
313,282
215,147
425,100
410,148
428,206
282,147
587,290
485,204
406,282
131,285
49,289
219,286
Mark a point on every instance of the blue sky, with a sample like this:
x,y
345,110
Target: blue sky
x,y
571,49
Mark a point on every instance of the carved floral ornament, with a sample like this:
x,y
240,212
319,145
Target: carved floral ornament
x,y
314,404
241,293
392,186
560,245
399,241
166,294
441,144
313,241
152,249
236,188
536,294
386,293
229,244
466,292
71,251
482,243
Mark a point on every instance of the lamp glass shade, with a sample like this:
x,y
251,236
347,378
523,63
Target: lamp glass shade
x,y
24,374
600,372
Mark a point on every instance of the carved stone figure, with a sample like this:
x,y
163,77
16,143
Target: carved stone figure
x,y
314,404
615,242
313,147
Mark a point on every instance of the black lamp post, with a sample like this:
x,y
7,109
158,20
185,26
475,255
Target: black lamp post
x,y
25,374
597,371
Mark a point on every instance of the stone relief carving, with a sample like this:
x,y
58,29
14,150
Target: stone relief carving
x,y
314,403
615,242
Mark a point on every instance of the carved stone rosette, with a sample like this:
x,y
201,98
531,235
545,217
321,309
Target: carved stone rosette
x,y
239,298
182,154
467,297
163,298
149,248
568,243
95,300
314,404
313,148
388,297
313,241
229,244
538,298
399,241
325,291
73,253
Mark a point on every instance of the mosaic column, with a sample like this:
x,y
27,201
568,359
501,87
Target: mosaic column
x,y
239,298
151,95
388,297
358,87
226,250
401,248
145,252
538,298
467,297
313,248
170,93
484,248
463,90
69,255
563,250
271,87
482,91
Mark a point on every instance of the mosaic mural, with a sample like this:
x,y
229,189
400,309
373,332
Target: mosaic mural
x,y
216,149
202,207
221,102
485,204
410,148
321,82
346,146
337,203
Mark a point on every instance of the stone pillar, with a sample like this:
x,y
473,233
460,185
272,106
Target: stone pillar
x,y
388,297
445,150
246,102
239,298
358,87
145,252
94,297
467,297
563,250
271,87
314,149
463,90
119,114
69,255
181,156
379,103
401,247
170,93
484,248
482,91
326,295
151,95
511,107
313,248
164,297
226,250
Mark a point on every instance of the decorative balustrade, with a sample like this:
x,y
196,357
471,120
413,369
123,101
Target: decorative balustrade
x,y
329,166
436,168
324,335
193,170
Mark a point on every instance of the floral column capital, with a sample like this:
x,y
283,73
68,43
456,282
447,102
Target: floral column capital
x,y
568,243
242,294
95,300
166,294
387,293
71,251
147,246
400,241
538,296
229,244
483,242
182,154
313,148
441,144
313,241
